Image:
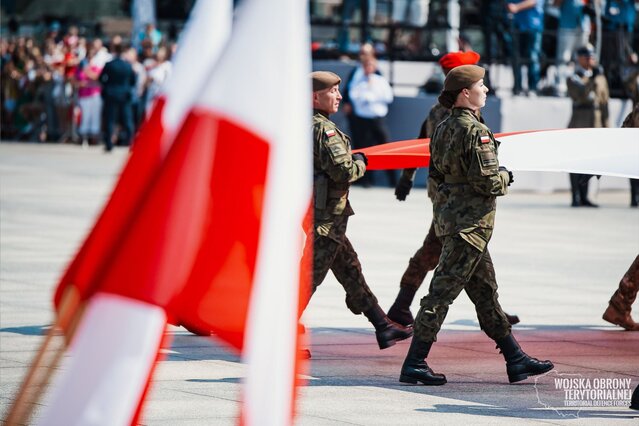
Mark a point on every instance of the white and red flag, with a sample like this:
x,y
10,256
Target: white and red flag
x,y
213,238
245,284
138,255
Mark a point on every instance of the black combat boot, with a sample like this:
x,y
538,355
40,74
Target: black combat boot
x,y
415,368
387,332
634,401
574,189
512,319
400,311
519,365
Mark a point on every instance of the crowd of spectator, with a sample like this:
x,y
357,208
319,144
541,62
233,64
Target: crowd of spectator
x,y
51,88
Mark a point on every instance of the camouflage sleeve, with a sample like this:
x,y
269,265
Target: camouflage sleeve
x,y
435,178
335,157
483,167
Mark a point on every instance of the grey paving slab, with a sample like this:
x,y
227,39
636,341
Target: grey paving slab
x,y
556,267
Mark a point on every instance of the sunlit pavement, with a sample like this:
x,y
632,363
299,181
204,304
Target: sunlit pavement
x,y
556,266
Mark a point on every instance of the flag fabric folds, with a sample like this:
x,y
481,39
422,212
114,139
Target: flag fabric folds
x,y
205,222
210,22
556,150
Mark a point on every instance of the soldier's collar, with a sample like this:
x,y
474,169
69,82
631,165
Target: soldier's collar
x,y
318,111
459,110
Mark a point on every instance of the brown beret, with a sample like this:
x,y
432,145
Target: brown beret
x,y
463,76
324,80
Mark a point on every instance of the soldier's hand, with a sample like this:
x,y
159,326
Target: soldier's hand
x,y
361,157
597,70
511,178
403,187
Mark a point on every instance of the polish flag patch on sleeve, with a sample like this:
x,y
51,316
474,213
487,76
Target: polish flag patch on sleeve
x,y
330,133
485,139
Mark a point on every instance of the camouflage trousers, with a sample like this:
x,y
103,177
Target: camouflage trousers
x,y
336,254
425,259
625,295
461,267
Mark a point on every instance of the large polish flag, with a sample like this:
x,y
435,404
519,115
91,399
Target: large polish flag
x,y
233,190
597,151
138,255
245,283
209,24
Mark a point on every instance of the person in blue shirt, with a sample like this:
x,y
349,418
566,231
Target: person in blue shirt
x,y
528,20
574,32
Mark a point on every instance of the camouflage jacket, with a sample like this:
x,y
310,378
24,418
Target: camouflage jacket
x,y
464,178
333,172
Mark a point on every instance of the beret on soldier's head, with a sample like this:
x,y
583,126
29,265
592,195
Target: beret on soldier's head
x,y
463,76
455,59
324,80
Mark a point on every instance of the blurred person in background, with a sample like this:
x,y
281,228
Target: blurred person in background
x,y
138,100
89,98
118,82
528,20
156,75
588,89
370,94
574,32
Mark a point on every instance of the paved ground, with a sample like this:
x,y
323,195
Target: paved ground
x,y
556,267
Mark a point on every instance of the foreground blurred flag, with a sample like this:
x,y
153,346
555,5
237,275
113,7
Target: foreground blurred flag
x,y
209,24
223,214
245,284
140,252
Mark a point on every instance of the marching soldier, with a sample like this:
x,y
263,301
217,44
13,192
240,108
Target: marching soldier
x,y
335,168
464,180
426,257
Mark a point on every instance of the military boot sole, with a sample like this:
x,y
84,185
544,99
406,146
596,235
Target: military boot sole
x,y
425,381
385,343
514,378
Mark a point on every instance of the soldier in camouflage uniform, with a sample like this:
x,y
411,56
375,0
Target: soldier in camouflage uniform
x,y
426,257
464,180
620,305
335,168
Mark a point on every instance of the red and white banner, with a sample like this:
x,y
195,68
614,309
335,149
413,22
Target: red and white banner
x,y
598,151
212,230
245,284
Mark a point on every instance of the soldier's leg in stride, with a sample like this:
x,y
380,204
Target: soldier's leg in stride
x,y
324,250
618,311
360,298
457,263
482,290
425,259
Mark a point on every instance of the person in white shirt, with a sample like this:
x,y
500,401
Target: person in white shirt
x,y
370,95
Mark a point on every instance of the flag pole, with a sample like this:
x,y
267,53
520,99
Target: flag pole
x,y
67,319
